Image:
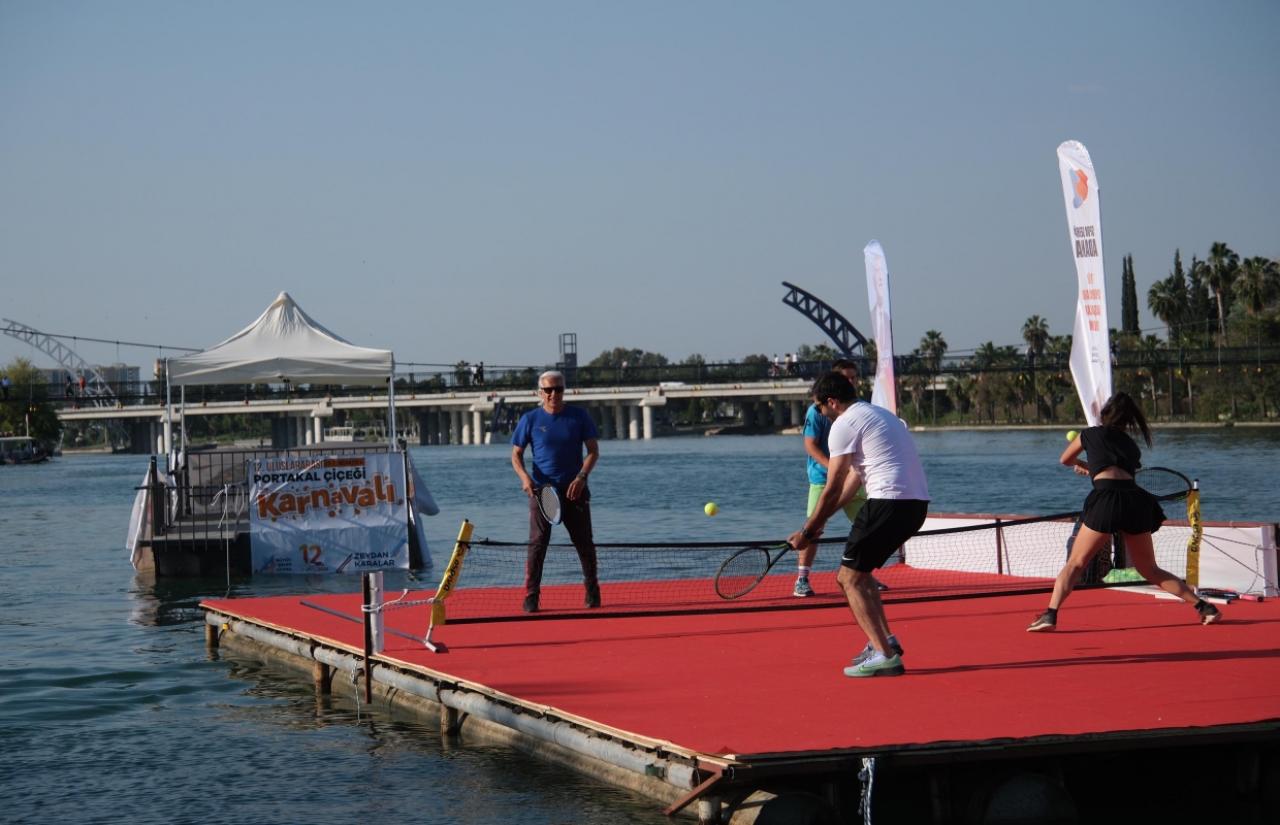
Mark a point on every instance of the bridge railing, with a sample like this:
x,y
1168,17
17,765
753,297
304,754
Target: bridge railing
x,y
415,380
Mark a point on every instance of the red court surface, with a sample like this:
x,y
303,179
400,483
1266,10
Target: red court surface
x,y
769,683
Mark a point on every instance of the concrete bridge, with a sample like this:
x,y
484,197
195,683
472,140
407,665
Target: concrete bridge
x,y
466,417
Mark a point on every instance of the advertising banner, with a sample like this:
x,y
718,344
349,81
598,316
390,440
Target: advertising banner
x,y
328,514
1090,349
884,392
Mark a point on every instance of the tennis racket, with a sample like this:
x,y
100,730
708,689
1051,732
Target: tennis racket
x,y
741,572
549,503
1229,595
1163,483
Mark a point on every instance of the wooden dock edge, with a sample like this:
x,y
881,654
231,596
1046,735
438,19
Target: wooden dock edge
x,y
684,785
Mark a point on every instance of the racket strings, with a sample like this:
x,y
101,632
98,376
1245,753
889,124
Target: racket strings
x,y
549,503
1163,483
741,571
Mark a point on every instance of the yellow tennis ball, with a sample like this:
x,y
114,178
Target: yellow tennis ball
x,y
711,509
1072,435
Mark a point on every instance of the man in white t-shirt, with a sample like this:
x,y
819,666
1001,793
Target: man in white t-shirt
x,y
869,446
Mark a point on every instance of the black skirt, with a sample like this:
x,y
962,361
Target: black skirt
x,y
1117,506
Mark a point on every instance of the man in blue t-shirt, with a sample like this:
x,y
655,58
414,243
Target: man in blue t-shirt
x,y
558,434
816,428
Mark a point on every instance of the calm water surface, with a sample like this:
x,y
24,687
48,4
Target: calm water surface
x,y
111,710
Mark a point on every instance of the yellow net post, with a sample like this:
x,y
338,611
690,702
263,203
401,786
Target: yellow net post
x,y
447,582
1197,531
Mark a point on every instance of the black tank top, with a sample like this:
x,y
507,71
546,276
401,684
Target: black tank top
x,y
1110,447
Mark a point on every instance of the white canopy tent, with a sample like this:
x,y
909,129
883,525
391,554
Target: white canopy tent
x,y
285,345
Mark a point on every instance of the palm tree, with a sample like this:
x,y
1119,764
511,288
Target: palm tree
x,y
1257,283
961,389
984,357
1036,333
1149,348
933,346
1223,266
1167,303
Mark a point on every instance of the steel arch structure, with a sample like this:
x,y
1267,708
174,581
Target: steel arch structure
x,y
96,388
849,342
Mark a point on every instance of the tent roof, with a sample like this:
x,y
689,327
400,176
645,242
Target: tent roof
x,y
283,344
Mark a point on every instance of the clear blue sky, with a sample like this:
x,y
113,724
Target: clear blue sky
x,y
468,180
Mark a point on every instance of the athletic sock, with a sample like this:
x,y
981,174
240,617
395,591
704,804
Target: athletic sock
x,y
1051,612
802,573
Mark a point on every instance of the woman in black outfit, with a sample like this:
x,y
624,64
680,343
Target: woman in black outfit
x,y
1116,505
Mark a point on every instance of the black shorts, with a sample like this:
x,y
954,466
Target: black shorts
x,y
881,527
1121,506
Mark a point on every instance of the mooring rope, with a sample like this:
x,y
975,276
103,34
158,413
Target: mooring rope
x,y
225,495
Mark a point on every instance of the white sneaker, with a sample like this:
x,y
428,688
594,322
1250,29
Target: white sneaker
x,y
877,665
802,589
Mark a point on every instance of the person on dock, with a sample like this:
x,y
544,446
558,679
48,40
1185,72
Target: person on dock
x,y
869,446
1116,505
559,434
816,428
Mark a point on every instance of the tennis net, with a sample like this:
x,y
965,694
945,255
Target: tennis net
x,y
953,557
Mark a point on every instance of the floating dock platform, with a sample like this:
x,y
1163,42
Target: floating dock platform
x,y
1131,708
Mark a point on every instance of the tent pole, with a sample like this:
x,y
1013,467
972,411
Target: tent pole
x,y
391,407
182,422
168,417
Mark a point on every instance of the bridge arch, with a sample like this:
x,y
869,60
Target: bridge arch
x,y
849,342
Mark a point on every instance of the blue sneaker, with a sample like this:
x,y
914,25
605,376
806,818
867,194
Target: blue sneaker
x,y
877,665
802,589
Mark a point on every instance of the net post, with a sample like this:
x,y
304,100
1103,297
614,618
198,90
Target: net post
x,y
1197,533
999,548
447,582
366,592
377,622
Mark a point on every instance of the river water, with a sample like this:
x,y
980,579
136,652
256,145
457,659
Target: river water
x,y
111,709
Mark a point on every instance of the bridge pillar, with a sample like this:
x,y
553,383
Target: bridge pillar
x,y
604,421
619,421
797,413
647,419
748,412
281,432
477,426
765,419
455,426
423,418
633,423
777,412
140,441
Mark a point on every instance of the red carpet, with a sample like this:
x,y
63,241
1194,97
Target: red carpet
x,y
771,682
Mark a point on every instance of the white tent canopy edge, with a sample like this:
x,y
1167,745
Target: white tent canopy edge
x,y
284,344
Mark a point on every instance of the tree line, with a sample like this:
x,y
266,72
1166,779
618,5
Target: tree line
x,y
1216,361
